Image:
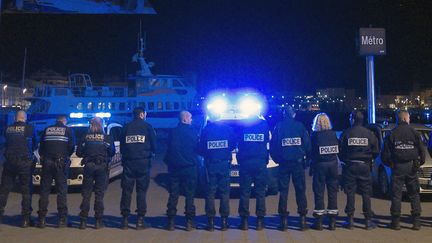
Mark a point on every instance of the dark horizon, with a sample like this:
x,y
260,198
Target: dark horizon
x,y
267,45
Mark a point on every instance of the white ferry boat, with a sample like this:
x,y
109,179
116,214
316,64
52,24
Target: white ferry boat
x,y
162,96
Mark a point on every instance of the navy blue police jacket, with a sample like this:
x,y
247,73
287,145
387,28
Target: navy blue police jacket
x,y
21,140
325,146
57,141
290,142
217,142
253,142
96,146
182,147
138,141
358,144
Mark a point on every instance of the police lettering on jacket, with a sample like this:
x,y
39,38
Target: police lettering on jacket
x,y
253,142
290,142
95,146
138,140
20,140
250,137
217,142
358,143
57,141
325,146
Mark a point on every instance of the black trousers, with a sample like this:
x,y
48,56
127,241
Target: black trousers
x,y
293,169
218,180
95,178
135,172
56,169
182,179
253,171
403,174
357,176
13,168
325,175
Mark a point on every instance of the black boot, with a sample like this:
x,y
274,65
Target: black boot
x,y
369,224
283,226
416,223
190,224
332,222
318,224
125,223
210,224
42,222
99,224
224,224
244,224
395,223
83,223
25,221
140,223
170,224
303,225
260,223
349,223
62,222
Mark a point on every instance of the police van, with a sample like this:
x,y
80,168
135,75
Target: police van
x,y
76,170
381,173
234,109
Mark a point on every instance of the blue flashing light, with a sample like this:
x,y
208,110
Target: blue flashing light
x,y
250,106
76,115
218,105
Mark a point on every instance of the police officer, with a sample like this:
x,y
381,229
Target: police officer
x,y
404,152
181,158
20,144
137,146
252,158
56,146
359,146
324,168
289,147
96,149
216,145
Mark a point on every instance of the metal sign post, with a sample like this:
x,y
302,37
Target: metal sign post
x,y
371,42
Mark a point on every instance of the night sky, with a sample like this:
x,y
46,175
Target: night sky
x,y
272,45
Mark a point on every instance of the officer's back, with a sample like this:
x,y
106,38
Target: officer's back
x,y
217,141
358,143
139,140
18,134
96,145
253,143
57,141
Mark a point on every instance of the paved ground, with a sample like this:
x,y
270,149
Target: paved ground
x,y
157,197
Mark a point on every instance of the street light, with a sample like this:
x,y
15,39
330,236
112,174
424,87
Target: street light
x,y
5,87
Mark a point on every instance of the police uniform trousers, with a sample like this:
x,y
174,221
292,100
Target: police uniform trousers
x,y
325,174
296,171
135,171
357,177
54,169
182,179
218,181
14,167
403,174
95,178
253,171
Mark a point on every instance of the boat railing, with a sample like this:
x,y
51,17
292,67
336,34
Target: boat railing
x,y
93,91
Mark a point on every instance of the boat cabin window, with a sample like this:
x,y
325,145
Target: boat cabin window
x,y
176,106
160,105
158,83
142,105
130,105
101,106
183,106
122,106
176,83
79,106
168,105
151,105
90,106
111,106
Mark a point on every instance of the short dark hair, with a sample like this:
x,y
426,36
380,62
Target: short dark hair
x,y
61,117
137,111
358,117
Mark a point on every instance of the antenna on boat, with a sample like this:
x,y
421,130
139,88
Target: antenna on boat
x,y
139,56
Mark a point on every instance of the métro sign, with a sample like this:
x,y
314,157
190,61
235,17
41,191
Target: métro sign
x,y
372,42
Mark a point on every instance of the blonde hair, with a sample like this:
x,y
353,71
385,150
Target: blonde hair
x,y
321,122
96,125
